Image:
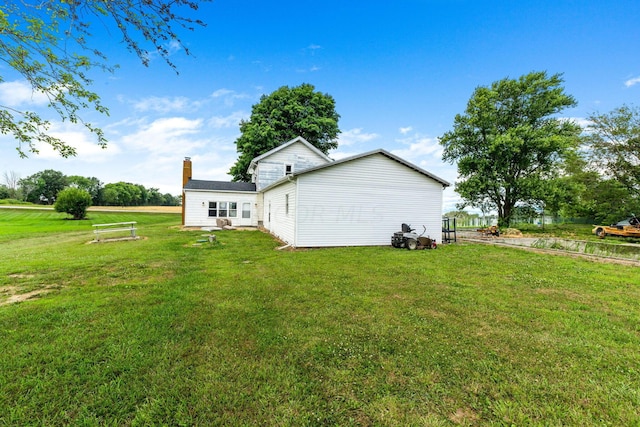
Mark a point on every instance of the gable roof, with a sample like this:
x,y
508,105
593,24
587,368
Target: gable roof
x,y
285,145
384,153
356,157
198,184
360,156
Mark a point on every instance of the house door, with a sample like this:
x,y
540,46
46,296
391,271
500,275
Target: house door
x,y
245,217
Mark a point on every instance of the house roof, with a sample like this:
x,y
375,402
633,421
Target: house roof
x,y
198,184
360,156
253,163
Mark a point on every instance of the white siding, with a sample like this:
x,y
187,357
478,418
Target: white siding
x,y
197,207
259,219
277,219
363,202
271,168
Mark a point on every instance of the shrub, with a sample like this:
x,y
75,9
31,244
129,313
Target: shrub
x,y
73,201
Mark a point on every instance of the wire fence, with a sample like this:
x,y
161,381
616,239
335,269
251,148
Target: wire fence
x,y
489,220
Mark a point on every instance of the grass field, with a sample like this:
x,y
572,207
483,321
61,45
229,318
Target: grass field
x,y
161,332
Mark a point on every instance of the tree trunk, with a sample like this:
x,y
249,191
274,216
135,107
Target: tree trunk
x,y
504,216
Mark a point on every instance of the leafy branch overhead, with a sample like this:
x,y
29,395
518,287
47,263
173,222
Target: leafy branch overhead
x,y
49,45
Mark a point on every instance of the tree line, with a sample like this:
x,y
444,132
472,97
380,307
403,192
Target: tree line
x,y
43,188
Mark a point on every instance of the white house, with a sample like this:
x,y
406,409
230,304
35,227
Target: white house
x,y
307,200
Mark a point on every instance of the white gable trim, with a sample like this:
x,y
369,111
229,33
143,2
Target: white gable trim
x,y
385,153
300,139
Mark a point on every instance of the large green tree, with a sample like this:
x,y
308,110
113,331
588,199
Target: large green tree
x,y
43,187
509,143
49,44
282,116
614,140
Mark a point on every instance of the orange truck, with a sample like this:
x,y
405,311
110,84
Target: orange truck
x,y
627,228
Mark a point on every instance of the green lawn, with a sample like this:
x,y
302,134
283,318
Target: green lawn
x,y
160,332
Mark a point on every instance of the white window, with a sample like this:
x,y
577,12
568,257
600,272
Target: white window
x,y
246,210
288,169
223,209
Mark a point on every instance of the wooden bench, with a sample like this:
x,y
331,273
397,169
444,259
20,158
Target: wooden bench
x,y
115,227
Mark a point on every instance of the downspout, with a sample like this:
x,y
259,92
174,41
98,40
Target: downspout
x,y
295,219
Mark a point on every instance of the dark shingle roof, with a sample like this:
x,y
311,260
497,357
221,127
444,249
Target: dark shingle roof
x,y
198,184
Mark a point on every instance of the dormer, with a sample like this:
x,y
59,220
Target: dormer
x,y
286,159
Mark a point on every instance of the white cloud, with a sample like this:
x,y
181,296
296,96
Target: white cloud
x,y
82,140
174,135
181,104
215,164
311,49
450,200
311,69
222,92
116,128
580,121
19,92
158,148
171,48
406,130
165,171
355,136
632,82
229,96
418,147
232,120
165,104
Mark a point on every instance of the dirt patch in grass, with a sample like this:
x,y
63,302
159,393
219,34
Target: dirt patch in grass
x,y
15,296
464,416
21,276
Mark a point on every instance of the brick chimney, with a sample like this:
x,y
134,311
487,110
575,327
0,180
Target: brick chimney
x,y
187,173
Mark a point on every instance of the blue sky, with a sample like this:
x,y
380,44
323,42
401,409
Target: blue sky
x,y
399,73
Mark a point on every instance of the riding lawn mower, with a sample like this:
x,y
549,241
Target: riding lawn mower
x,y
408,238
